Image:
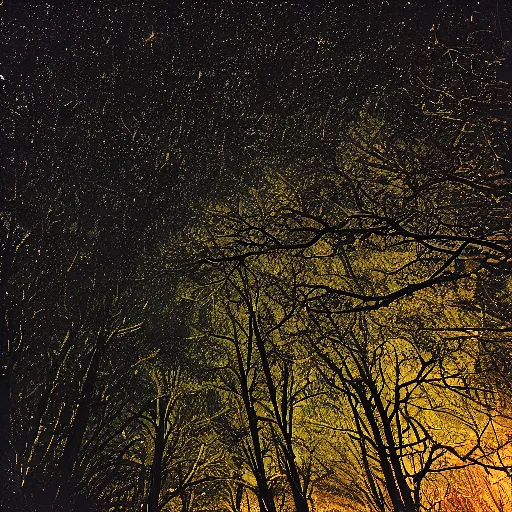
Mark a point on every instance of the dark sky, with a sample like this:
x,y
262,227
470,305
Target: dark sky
x,y
101,88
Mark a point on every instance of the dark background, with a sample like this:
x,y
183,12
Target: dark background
x,y
106,91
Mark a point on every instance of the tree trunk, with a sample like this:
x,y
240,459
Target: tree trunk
x,y
60,489
238,497
185,501
265,498
156,466
292,473
266,501
387,470
403,488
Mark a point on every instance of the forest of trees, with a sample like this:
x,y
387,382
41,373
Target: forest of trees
x,y
331,333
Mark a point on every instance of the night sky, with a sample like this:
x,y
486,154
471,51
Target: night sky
x,y
106,92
